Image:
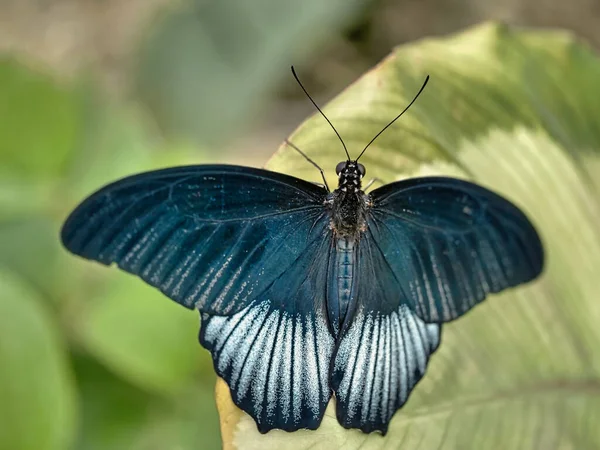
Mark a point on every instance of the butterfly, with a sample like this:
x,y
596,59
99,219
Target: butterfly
x,y
304,292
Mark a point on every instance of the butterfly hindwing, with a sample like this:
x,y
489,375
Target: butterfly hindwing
x,y
378,363
448,243
275,354
384,348
209,237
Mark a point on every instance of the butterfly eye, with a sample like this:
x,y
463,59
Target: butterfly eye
x,y
340,167
362,170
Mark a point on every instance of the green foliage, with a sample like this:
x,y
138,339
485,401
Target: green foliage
x,y
92,358
207,68
27,132
37,397
514,111
139,334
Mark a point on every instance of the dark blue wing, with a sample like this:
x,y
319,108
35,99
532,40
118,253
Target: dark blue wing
x,y
276,352
384,349
209,237
447,243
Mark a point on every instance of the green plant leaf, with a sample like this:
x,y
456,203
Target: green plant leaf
x,y
39,122
516,111
119,415
31,250
147,339
113,143
209,65
114,413
37,407
39,128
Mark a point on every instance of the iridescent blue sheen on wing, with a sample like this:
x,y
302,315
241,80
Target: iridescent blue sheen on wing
x,y
209,237
448,243
275,354
302,293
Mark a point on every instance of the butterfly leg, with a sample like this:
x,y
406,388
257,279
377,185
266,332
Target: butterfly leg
x,y
310,161
373,180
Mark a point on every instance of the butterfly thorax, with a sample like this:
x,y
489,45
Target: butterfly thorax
x,y
348,203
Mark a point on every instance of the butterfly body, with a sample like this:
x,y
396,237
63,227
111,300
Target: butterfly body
x,y
348,208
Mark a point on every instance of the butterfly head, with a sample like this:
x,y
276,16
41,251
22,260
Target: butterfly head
x,y
350,174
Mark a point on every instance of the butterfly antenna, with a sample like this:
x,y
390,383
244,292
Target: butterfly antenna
x,y
396,118
323,114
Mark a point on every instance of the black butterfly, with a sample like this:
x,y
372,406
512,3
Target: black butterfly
x,y
305,292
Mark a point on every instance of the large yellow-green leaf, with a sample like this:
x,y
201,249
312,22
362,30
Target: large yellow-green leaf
x,y
37,407
516,111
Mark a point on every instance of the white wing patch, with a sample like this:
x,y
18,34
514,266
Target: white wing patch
x,y
275,363
379,361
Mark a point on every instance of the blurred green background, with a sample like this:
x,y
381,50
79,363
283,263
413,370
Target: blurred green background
x,y
92,90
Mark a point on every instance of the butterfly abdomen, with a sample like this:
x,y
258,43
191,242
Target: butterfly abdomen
x,y
342,282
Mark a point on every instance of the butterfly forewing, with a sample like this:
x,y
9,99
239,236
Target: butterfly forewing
x,y
448,243
209,237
